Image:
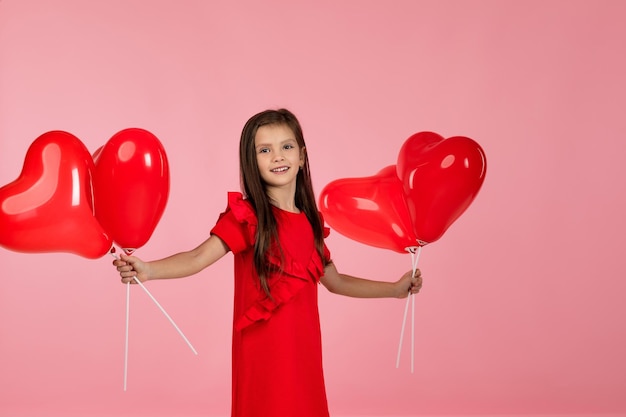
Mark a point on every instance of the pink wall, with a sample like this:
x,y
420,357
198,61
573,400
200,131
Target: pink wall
x,y
523,307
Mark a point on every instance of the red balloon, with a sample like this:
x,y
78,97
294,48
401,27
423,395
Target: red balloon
x,y
96,154
49,208
371,210
440,179
131,186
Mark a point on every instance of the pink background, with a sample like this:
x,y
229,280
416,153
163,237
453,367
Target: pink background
x,y
523,307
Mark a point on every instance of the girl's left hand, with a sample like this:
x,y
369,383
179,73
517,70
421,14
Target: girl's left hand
x,y
410,283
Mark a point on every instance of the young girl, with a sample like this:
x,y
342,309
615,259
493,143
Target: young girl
x,y
277,237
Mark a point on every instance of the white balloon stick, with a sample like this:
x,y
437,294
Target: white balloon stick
x,y
128,321
126,336
415,256
166,315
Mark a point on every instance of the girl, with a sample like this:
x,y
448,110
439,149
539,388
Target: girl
x,y
277,237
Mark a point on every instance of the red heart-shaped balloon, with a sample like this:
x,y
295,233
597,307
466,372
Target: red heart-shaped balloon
x,y
131,186
49,208
370,210
412,203
440,179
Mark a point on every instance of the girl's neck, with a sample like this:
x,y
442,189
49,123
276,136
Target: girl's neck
x,y
283,199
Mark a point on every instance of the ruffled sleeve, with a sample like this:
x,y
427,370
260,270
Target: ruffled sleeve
x,y
237,225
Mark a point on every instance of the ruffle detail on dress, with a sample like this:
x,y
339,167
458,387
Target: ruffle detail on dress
x,y
244,213
284,286
284,283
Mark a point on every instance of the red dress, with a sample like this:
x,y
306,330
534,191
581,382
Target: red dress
x,y
277,349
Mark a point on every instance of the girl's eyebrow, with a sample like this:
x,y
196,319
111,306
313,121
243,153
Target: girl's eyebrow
x,y
260,145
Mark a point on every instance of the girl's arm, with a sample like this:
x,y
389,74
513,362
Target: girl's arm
x,y
179,265
364,288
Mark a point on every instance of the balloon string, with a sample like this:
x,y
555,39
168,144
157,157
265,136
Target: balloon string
x,y
410,299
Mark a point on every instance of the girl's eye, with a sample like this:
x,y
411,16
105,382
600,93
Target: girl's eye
x,y
264,150
289,146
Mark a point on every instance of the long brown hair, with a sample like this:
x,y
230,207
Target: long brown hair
x,y
254,190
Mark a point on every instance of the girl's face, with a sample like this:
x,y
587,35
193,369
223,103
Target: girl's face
x,y
278,155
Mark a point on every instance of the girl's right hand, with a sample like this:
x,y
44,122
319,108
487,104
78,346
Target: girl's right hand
x,y
131,267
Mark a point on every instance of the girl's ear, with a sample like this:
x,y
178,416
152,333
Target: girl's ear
x,y
302,153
